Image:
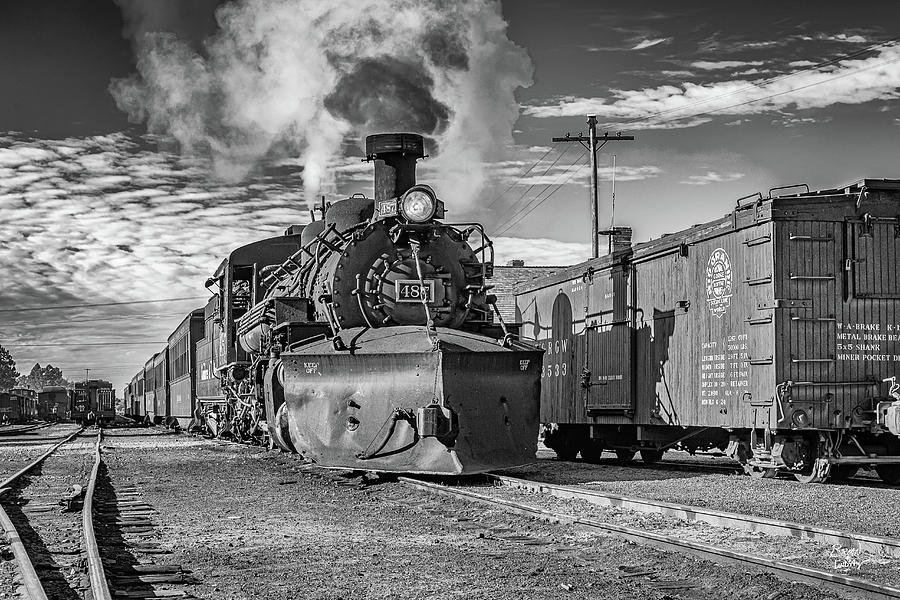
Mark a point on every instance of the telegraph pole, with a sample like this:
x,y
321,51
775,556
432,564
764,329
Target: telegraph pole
x,y
596,142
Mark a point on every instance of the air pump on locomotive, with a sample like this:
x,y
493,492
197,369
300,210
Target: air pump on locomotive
x,y
374,345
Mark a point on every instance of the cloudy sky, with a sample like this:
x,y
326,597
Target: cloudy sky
x,y
141,140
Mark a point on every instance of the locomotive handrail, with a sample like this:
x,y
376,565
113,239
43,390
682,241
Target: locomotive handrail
x,y
787,187
487,243
758,195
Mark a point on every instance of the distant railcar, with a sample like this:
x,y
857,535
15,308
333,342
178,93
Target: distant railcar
x,y
93,402
12,409
772,333
150,387
20,405
160,409
182,384
134,398
53,404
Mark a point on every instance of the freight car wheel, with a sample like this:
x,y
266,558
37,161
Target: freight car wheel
x,y
651,456
890,474
567,453
592,451
625,455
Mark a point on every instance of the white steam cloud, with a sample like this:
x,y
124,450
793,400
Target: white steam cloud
x,y
295,78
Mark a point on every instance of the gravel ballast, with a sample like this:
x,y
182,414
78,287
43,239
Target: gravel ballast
x,y
255,524
860,505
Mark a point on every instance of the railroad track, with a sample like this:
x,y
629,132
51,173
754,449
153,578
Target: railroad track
x,y
27,526
874,544
26,429
793,572
49,564
727,467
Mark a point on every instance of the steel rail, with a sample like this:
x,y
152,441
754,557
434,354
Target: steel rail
x,y
12,478
17,431
787,571
99,584
30,579
869,543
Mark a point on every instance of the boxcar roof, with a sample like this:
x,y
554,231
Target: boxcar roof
x,y
835,204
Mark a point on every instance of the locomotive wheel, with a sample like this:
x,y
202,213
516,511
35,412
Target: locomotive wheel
x,y
651,456
890,474
760,472
592,451
818,472
625,455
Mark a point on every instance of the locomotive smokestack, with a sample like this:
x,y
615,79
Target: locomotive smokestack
x,y
395,156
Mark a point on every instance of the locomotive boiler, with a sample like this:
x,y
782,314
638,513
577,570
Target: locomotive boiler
x,y
374,346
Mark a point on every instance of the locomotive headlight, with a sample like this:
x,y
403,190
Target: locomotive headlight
x,y
419,204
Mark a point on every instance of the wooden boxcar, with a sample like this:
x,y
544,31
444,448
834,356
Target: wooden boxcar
x,y
773,332
93,401
53,404
182,359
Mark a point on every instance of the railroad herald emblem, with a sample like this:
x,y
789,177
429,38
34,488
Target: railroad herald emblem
x,y
718,282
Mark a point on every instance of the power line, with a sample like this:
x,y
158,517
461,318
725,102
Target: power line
x,y
519,178
531,206
102,304
513,207
5,345
98,320
533,185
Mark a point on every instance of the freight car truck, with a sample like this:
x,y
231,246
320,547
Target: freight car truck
x,y
772,333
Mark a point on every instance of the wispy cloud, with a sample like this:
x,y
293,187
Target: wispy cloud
x,y
848,82
711,177
644,44
106,218
713,65
540,251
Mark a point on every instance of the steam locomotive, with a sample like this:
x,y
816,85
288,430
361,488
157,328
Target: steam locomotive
x,y
363,340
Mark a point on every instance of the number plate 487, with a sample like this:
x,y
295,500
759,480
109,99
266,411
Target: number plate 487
x,y
411,290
